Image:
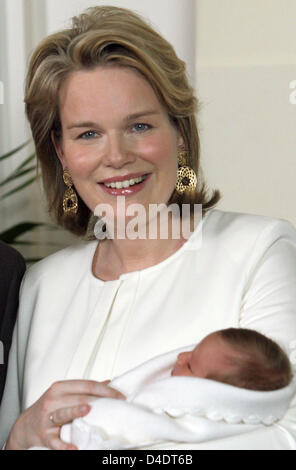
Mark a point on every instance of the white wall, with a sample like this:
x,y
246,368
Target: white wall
x,y
12,67
246,58
13,128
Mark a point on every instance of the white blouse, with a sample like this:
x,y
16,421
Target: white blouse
x,y
236,270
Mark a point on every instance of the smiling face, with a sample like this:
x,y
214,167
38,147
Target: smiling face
x,y
208,359
114,127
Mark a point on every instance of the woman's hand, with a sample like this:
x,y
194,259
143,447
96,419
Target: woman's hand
x,y
64,401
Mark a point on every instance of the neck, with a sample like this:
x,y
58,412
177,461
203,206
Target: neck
x,y
127,255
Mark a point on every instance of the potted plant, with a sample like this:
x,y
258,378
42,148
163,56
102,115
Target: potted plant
x,y
28,169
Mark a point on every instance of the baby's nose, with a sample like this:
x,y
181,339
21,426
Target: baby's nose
x,y
181,358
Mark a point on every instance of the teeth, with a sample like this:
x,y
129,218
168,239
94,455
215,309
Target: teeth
x,y
125,183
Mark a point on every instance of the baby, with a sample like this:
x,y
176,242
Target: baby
x,y
237,356
164,409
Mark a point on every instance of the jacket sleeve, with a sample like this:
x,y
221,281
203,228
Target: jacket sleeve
x,y
11,402
10,405
269,306
12,270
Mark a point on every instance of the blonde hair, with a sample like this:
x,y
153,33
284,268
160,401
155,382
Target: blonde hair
x,y
119,37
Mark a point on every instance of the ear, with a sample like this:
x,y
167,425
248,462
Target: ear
x,y
58,148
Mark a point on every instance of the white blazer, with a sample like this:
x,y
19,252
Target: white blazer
x,y
240,273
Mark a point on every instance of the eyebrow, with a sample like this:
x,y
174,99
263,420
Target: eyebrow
x,y
128,118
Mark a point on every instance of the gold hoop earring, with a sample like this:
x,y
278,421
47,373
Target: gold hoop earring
x,y
70,200
186,177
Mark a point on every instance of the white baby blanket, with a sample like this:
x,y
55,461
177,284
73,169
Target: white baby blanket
x,y
160,408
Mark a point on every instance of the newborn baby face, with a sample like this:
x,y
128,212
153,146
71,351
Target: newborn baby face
x,y
206,360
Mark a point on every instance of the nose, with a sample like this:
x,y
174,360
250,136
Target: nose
x,y
117,151
182,357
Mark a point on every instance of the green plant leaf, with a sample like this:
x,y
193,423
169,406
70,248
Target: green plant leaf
x,y
54,227
12,152
12,234
18,188
26,161
9,236
32,260
23,164
28,243
15,175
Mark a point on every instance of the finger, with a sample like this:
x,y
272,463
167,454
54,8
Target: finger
x,y
68,401
58,444
109,392
67,415
53,440
84,387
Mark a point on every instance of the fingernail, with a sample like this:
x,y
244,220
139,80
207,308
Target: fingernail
x,y
83,409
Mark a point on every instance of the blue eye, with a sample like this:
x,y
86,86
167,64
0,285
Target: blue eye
x,y
87,135
141,127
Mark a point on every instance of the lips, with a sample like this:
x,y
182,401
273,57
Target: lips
x,y
125,191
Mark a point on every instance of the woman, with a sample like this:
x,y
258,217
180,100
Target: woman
x,y
112,115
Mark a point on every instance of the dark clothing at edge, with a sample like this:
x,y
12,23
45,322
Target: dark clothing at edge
x,y
12,268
